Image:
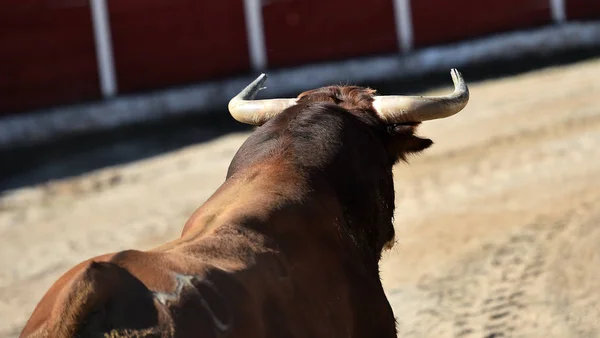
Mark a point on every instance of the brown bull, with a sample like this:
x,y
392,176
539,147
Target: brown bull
x,y
288,246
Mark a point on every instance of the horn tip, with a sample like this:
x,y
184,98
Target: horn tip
x,y
459,82
260,81
456,75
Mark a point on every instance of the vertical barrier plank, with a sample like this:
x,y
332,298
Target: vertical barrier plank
x,y
442,21
47,54
304,31
160,43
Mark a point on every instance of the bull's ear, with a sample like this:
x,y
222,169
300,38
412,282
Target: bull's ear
x,y
403,141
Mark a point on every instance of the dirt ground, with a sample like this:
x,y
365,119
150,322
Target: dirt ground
x,y
498,224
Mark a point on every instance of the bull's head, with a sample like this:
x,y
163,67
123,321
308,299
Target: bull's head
x,y
320,116
391,109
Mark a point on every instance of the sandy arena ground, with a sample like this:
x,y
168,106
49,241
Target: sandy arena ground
x,y
498,224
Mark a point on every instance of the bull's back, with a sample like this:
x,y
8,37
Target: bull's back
x,y
221,284
145,294
93,299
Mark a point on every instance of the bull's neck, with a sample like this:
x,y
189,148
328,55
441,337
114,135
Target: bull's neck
x,y
274,191
250,193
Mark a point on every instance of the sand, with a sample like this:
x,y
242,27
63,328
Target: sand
x,y
498,224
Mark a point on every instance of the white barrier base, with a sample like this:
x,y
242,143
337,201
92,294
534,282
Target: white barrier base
x,y
44,125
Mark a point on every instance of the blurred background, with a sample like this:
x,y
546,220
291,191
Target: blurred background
x,y
114,128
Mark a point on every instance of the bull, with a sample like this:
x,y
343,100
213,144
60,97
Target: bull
x,y
288,246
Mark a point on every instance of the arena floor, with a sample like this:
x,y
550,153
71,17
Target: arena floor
x,y
498,224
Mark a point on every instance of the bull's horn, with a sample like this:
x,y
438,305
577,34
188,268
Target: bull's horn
x,y
245,109
398,109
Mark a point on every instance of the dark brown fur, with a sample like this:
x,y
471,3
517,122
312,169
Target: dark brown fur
x,y
288,246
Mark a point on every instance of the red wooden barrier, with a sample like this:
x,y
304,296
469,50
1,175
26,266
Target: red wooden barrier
x,y
47,54
582,9
164,43
442,21
300,31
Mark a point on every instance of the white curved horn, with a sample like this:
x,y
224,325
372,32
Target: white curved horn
x,y
245,109
399,109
